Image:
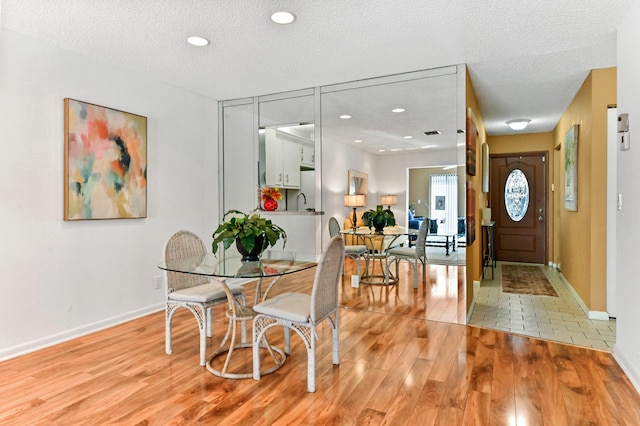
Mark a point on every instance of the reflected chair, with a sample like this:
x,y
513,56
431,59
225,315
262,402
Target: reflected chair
x,y
197,293
413,254
356,252
303,313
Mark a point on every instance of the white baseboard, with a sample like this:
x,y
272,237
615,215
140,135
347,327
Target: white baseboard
x,y
627,366
54,339
599,315
596,315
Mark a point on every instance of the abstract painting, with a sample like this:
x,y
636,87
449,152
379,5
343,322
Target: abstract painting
x,y
105,163
472,141
571,169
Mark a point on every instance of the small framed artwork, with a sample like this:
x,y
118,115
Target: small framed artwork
x,y
472,141
485,167
571,169
358,183
439,202
105,163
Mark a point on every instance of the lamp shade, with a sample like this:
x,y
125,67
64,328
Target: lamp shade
x,y
355,200
389,200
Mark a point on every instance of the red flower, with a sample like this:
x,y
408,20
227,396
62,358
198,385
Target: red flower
x,y
271,193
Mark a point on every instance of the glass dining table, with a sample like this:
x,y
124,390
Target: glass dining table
x,y
377,243
229,266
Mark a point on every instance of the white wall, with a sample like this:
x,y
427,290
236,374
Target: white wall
x,y
627,349
61,279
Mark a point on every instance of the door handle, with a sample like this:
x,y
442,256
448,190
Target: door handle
x,y
540,218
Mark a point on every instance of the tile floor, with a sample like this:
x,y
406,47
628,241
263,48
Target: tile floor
x,y
551,318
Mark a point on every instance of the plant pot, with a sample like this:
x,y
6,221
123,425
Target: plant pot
x,y
379,224
270,204
253,255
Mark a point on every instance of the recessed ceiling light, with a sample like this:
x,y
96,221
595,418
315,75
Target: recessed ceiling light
x,y
394,149
398,110
283,17
407,137
345,116
358,141
381,150
197,41
518,124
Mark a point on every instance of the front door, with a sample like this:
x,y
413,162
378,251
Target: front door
x,y
518,202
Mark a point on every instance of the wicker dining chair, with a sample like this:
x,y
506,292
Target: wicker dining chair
x,y
197,293
413,254
303,313
355,252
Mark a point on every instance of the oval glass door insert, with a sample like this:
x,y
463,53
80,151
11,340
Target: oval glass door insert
x,y
516,195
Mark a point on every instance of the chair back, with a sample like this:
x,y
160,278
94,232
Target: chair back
x,y
334,227
183,244
421,242
326,285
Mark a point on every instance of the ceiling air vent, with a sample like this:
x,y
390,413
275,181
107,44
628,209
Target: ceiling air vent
x,y
460,131
433,132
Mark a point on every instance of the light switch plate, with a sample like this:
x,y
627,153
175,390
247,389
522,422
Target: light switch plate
x,y
355,281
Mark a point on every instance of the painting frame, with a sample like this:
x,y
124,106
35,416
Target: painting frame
x,y
471,212
472,142
571,140
105,163
358,183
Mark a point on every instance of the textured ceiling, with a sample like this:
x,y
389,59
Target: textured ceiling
x,y
526,58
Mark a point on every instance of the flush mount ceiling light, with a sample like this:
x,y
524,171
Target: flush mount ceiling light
x,y
358,141
398,110
197,41
283,17
518,124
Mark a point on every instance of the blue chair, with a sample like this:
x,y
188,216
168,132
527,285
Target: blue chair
x,y
413,222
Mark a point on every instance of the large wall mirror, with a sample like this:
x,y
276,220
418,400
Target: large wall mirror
x,y
388,127
382,127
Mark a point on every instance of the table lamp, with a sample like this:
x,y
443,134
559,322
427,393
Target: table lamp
x,y
354,201
389,200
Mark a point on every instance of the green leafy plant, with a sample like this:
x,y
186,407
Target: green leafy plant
x,y
378,218
247,229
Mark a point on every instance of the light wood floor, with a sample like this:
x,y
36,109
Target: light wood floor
x,y
401,364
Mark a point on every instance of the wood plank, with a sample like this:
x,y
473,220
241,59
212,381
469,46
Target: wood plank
x,y
397,367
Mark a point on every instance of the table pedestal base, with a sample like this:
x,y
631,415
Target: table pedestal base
x,y
242,314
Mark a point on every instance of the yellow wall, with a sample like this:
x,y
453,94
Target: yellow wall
x,y
582,234
532,142
474,251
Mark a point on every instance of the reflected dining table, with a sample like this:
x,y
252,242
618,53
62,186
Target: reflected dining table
x,y
231,266
376,243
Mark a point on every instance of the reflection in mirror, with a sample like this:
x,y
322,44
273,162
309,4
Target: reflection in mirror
x,y
385,128
358,183
435,194
287,148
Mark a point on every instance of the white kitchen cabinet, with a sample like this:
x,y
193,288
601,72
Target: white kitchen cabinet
x,y
308,157
282,158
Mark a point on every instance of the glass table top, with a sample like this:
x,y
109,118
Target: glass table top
x,y
389,230
232,266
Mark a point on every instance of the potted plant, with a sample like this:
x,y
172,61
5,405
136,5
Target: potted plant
x,y
378,218
252,234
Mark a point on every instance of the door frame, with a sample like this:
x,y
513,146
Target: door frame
x,y
548,213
